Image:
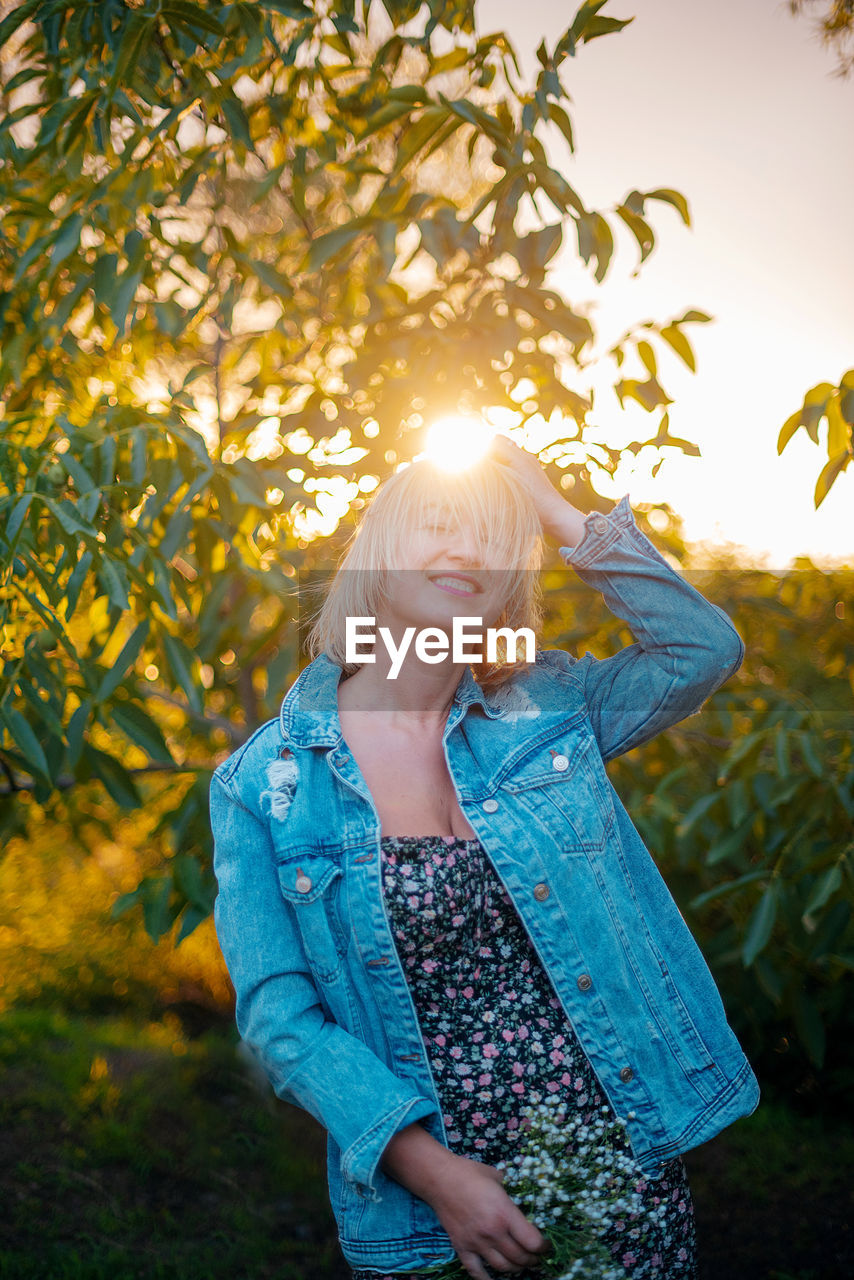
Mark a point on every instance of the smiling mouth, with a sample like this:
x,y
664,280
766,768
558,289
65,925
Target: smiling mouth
x,y
455,584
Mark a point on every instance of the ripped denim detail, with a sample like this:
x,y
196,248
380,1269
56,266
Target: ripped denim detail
x,y
513,703
282,777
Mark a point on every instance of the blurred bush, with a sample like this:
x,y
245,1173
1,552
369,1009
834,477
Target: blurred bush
x,y
58,942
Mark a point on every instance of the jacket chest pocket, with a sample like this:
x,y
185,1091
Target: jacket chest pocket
x,y
560,786
312,885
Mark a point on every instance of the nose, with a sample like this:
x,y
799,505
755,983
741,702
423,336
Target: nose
x,y
465,548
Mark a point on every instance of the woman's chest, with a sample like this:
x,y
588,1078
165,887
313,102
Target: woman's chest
x,y
409,783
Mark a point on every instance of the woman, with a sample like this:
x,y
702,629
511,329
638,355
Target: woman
x,y
433,906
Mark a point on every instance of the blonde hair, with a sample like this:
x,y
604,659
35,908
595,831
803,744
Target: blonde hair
x,y
490,497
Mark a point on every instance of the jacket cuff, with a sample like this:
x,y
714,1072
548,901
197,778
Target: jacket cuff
x,y
360,1162
600,531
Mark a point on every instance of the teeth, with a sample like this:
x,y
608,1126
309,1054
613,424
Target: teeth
x,y
456,583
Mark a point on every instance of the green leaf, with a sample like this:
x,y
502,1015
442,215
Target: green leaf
x,y
781,751
730,843
18,16
74,585
67,517
26,741
810,1025
117,782
182,663
647,355
787,430
425,129
75,733
823,889
640,229
838,433
563,122
156,907
291,8
603,27
846,405
237,121
832,468
674,198
192,16
126,658
694,317
135,34
809,746
327,246
67,240
769,978
113,577
141,729
197,888
680,344
729,886
17,518
475,115
697,810
191,918
649,395
760,925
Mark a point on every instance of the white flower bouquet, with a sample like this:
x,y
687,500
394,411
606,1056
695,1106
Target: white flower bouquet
x,y
574,1180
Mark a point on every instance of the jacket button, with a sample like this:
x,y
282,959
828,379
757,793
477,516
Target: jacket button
x,y
599,523
541,892
303,882
561,763
626,1075
585,982
490,805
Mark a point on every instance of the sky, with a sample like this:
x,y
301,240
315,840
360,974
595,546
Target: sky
x,y
735,104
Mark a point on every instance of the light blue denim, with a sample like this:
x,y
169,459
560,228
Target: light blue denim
x,y
321,995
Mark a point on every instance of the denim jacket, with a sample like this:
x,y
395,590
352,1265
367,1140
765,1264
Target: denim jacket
x,y
321,996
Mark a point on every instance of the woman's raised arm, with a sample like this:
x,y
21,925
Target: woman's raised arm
x,y
686,647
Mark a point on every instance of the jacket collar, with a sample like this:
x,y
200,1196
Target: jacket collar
x,y
309,714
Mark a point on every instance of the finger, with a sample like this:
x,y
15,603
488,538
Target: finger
x,y
473,1265
515,1256
504,1258
528,1237
504,449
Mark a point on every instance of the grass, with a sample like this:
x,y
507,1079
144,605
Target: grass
x,y
131,1151
131,1148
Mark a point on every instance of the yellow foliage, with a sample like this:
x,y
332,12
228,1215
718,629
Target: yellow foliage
x,y
56,935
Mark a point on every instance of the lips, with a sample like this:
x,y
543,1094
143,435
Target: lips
x,y
458,584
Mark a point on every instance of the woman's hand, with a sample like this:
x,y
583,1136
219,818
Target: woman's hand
x,y
559,518
484,1224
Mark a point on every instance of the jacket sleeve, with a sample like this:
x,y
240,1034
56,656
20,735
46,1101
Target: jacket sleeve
x,y
311,1061
686,647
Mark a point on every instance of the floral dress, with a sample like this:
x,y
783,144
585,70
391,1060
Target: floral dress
x,y
497,1037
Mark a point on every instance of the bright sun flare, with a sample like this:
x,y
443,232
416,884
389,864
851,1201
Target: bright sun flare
x,y
457,443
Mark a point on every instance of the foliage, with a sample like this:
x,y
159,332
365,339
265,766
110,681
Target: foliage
x,y
749,808
835,26
235,240
836,404
57,889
